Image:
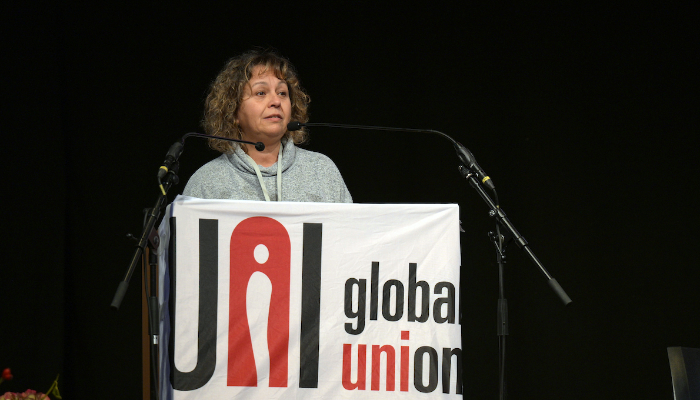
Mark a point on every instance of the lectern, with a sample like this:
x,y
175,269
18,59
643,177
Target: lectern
x,y
286,300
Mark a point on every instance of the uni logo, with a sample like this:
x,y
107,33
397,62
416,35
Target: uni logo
x,y
246,236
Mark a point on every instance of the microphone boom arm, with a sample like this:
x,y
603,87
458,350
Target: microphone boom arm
x,y
464,155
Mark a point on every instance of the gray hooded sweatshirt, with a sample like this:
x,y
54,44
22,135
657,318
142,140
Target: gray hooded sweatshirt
x,y
306,176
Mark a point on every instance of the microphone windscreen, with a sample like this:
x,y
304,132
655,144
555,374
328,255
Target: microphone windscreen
x,y
259,146
294,126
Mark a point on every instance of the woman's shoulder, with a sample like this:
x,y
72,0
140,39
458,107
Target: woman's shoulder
x,y
216,166
313,157
208,175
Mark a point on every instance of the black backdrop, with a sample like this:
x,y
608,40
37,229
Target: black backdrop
x,y
585,119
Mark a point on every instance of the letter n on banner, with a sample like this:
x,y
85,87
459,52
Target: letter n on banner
x,y
247,235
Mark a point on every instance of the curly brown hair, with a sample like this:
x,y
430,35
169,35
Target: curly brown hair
x,y
226,93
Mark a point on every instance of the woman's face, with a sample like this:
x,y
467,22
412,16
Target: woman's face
x,y
266,109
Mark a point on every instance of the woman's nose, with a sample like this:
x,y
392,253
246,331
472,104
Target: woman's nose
x,y
276,100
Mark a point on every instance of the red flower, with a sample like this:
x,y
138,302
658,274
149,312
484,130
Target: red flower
x,y
7,374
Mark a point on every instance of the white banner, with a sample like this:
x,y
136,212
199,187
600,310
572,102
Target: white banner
x,y
281,300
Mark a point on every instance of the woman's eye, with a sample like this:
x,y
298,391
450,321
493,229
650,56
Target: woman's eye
x,y
261,93
283,94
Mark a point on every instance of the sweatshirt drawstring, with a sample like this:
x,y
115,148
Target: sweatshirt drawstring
x,y
279,175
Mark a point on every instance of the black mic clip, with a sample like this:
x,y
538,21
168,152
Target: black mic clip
x,y
170,158
467,159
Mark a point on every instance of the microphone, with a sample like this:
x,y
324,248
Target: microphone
x,y
295,126
259,146
464,155
176,150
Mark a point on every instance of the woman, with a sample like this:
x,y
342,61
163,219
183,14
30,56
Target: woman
x,y
253,98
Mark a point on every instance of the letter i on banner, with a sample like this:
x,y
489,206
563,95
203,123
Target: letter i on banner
x,y
247,235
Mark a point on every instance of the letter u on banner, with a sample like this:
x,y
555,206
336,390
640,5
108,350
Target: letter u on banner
x,y
247,235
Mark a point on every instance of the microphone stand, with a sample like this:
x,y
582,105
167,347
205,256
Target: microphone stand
x,y
502,312
149,237
477,178
167,177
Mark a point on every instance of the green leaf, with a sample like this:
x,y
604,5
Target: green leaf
x,y
53,390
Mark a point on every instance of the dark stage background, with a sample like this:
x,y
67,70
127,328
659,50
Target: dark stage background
x,y
585,119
